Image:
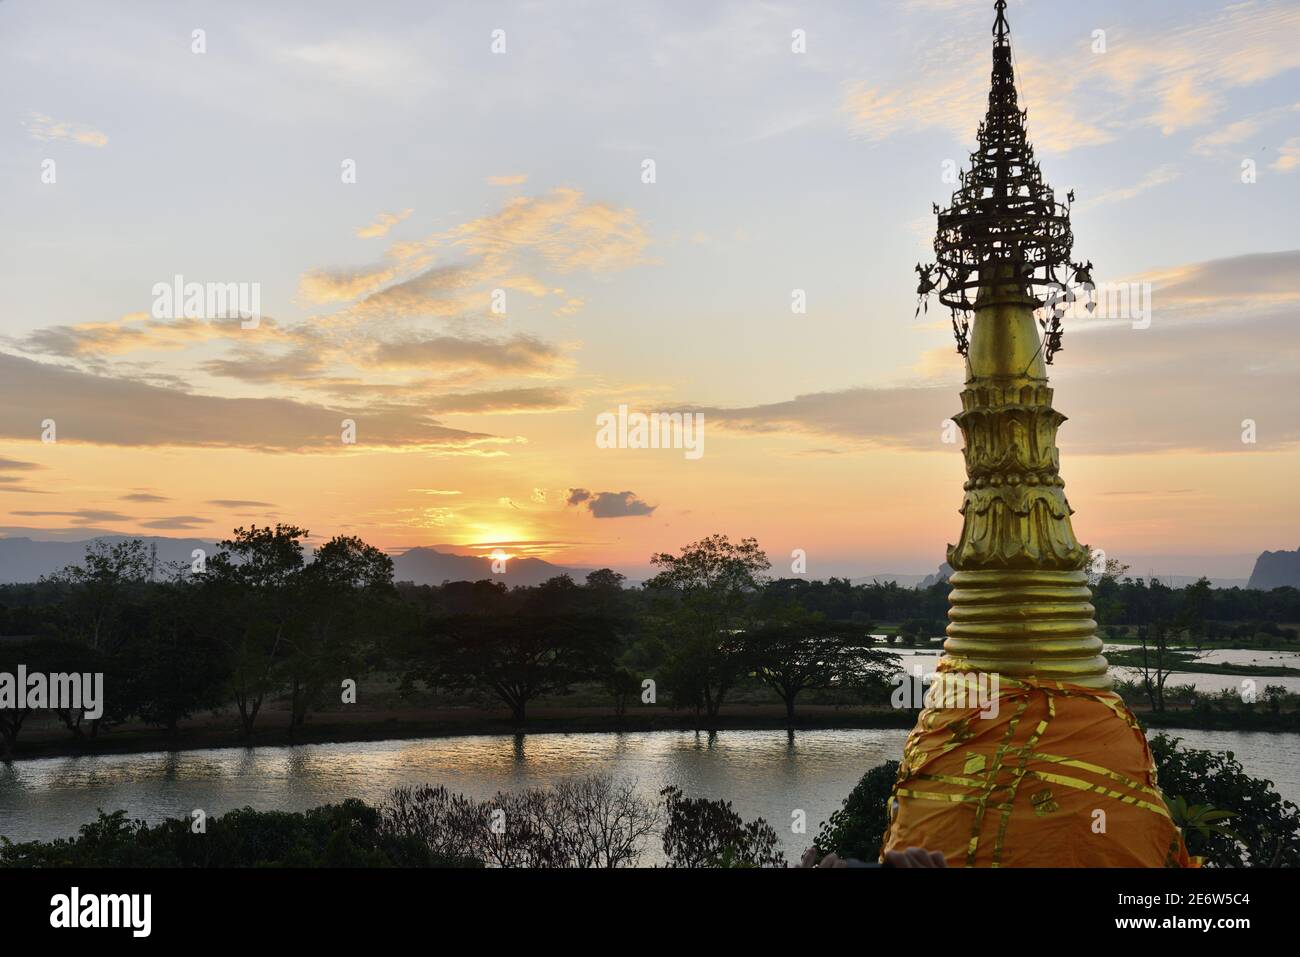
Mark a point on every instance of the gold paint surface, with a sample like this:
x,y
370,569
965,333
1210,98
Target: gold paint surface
x,y
1020,604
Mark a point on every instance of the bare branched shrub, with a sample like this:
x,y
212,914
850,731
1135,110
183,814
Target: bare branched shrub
x,y
605,823
449,824
591,821
522,833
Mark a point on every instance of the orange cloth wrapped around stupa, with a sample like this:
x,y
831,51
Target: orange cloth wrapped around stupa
x,y
1032,774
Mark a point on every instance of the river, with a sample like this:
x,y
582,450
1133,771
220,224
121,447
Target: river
x,y
1204,682
771,774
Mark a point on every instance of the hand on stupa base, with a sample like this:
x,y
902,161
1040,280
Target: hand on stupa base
x,y
915,857
912,857
832,859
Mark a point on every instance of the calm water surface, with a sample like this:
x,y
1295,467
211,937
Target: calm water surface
x,y
1202,681
763,773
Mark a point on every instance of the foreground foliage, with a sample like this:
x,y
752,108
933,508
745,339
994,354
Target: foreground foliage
x,y
589,822
349,834
1262,831
857,829
703,833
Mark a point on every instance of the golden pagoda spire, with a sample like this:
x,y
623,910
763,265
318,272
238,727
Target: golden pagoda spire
x,y
1020,604
1022,775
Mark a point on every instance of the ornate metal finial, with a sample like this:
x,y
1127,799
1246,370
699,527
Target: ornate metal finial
x,y
1000,26
1004,225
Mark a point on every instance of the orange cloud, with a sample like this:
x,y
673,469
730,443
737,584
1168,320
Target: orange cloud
x,y
382,224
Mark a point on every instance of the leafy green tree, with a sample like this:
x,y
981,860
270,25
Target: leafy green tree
x,y
711,584
100,608
57,656
347,586
605,580
796,652
1196,602
99,589
12,717
622,684
516,656
252,591
174,666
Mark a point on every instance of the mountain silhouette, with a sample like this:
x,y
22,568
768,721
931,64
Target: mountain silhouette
x,y
1276,569
24,559
424,565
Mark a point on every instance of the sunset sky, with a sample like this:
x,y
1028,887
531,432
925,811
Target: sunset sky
x,y
522,171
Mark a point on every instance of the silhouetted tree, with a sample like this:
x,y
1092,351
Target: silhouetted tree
x,y
710,584
347,586
516,656
99,588
253,594
704,833
795,652
174,666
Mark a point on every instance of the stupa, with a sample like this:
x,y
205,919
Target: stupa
x,y
1023,756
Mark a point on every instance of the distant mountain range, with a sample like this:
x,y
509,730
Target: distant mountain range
x,y
1173,581
428,566
1276,569
24,558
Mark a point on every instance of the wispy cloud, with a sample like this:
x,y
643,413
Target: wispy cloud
x,y
1157,177
520,354
382,224
1289,156
501,400
1218,142
176,522
80,516
144,497
1221,348
106,411
134,332
47,129
1171,81
563,228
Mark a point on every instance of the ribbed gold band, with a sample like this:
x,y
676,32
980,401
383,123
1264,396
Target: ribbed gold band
x,y
1025,623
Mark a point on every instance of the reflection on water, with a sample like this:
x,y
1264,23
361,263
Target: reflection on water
x,y
763,773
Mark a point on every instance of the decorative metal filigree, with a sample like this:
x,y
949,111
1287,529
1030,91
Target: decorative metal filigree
x,y
1004,222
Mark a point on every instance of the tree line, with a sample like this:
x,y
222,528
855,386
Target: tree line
x,y
267,619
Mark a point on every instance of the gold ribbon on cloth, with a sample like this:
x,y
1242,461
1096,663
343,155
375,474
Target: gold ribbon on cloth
x,y
1024,772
